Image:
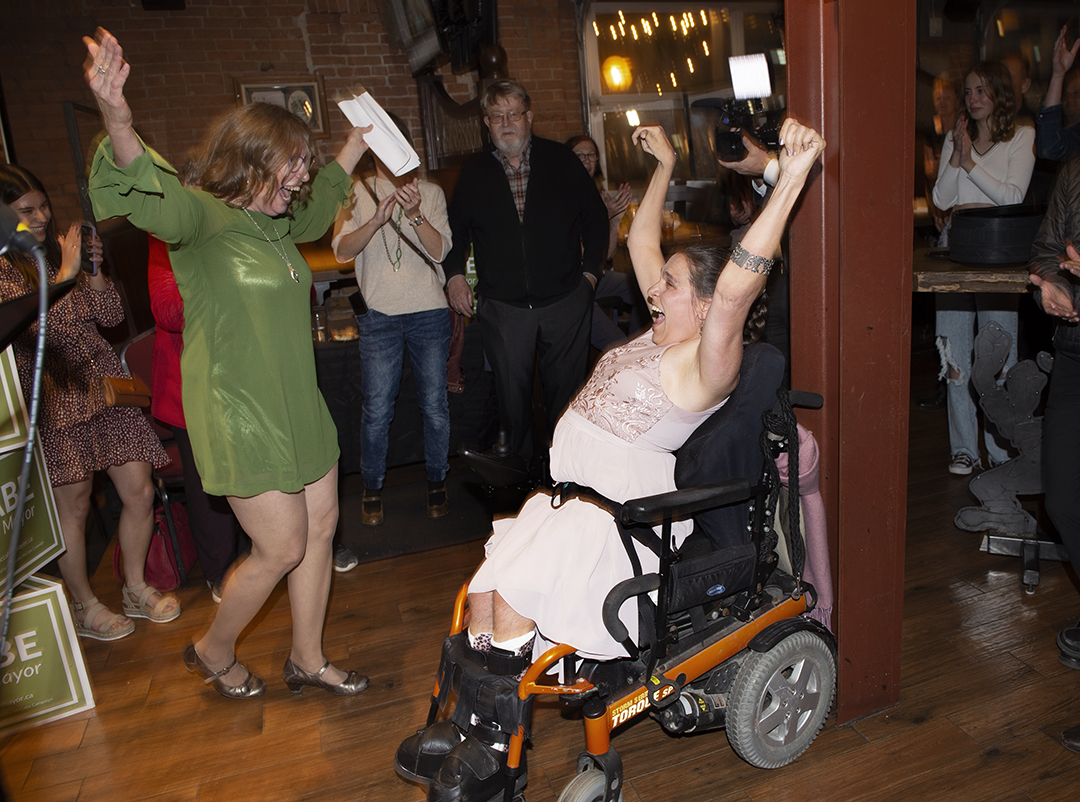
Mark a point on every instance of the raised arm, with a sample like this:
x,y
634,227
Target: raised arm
x,y
708,368
643,241
106,72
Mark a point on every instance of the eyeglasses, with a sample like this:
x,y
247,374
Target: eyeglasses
x,y
587,157
299,163
510,117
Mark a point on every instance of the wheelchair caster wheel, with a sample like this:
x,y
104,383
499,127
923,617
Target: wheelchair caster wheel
x,y
587,787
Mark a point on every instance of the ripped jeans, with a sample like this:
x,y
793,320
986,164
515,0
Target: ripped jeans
x,y
956,318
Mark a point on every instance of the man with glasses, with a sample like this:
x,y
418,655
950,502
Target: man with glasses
x,y
539,233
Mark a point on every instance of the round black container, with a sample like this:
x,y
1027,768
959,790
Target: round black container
x,y
996,235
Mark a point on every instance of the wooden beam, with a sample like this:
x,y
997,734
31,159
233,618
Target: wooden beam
x,y
851,245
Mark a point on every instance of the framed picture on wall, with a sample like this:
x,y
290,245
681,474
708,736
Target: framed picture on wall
x,y
304,97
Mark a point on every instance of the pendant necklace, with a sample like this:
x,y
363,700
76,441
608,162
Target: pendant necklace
x,y
280,251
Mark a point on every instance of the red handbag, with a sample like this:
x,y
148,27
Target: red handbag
x,y
161,569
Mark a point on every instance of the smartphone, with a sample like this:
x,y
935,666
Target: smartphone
x,y
89,234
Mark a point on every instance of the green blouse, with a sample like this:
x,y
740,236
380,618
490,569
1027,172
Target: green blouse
x,y
256,418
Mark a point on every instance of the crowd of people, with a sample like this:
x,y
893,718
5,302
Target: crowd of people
x,y
991,154
234,373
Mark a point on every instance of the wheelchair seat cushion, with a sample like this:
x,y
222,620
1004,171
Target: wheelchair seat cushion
x,y
727,445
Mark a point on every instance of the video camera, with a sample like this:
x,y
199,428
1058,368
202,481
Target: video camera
x,y
750,83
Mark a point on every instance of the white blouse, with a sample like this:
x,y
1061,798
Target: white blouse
x,y
1000,176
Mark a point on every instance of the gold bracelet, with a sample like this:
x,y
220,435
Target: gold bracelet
x,y
750,261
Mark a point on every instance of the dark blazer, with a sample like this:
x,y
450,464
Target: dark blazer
x,y
540,260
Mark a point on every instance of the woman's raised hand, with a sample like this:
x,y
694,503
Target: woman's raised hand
x,y
1064,56
106,73
355,146
653,140
800,146
70,253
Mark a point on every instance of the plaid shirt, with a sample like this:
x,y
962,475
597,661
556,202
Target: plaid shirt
x,y
518,177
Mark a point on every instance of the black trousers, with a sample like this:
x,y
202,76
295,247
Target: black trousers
x,y
1061,453
516,340
213,525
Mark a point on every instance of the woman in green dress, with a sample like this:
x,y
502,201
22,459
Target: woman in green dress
x,y
259,428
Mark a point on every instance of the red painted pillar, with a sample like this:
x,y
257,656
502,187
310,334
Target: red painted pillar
x,y
851,71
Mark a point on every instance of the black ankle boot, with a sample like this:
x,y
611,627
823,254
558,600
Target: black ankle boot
x,y
371,510
474,772
421,755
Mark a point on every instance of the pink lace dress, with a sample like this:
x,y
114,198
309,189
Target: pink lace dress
x,y
556,565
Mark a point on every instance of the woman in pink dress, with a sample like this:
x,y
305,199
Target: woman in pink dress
x,y
548,569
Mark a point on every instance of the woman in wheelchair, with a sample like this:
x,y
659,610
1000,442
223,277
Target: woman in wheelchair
x,y
548,570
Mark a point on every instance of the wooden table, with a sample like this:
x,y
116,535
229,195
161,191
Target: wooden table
x,y
935,274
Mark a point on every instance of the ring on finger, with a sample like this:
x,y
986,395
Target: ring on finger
x,y
101,69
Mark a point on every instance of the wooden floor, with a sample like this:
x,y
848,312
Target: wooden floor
x,y
983,696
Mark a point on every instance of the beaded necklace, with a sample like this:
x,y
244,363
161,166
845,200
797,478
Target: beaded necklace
x,y
280,251
395,260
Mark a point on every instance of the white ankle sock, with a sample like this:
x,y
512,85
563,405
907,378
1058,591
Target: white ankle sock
x,y
515,645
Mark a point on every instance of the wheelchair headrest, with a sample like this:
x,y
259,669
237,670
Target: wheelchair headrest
x,y
726,445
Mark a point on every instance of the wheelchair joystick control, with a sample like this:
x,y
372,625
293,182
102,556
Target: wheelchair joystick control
x,y
502,445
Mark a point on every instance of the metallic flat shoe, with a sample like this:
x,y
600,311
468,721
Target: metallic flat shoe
x,y
248,689
296,678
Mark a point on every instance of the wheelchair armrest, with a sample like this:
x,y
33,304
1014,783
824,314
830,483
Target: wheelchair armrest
x,y
683,503
804,399
618,595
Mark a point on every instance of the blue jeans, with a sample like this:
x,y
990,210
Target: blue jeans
x,y
383,339
956,322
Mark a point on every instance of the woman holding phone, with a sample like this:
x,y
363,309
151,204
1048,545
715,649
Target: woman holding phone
x,y
79,434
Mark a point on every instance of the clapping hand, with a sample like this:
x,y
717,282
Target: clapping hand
x,y
1057,301
70,253
384,210
618,202
961,155
1070,260
408,195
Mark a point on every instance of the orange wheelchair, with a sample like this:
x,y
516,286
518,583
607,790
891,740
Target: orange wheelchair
x,y
723,640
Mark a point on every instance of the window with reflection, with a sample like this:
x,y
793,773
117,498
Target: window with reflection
x,y
647,63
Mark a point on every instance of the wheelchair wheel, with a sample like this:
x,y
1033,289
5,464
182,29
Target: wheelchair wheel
x,y
780,699
587,787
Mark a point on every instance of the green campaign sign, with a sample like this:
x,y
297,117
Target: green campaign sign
x,y
41,539
43,675
13,416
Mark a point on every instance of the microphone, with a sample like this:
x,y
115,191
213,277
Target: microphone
x,y
15,236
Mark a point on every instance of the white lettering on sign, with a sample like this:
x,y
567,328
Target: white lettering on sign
x,y
14,676
23,645
9,492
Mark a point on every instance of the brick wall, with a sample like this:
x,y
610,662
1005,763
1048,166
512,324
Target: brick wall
x,y
184,63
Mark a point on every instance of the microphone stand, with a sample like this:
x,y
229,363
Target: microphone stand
x,y
31,433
